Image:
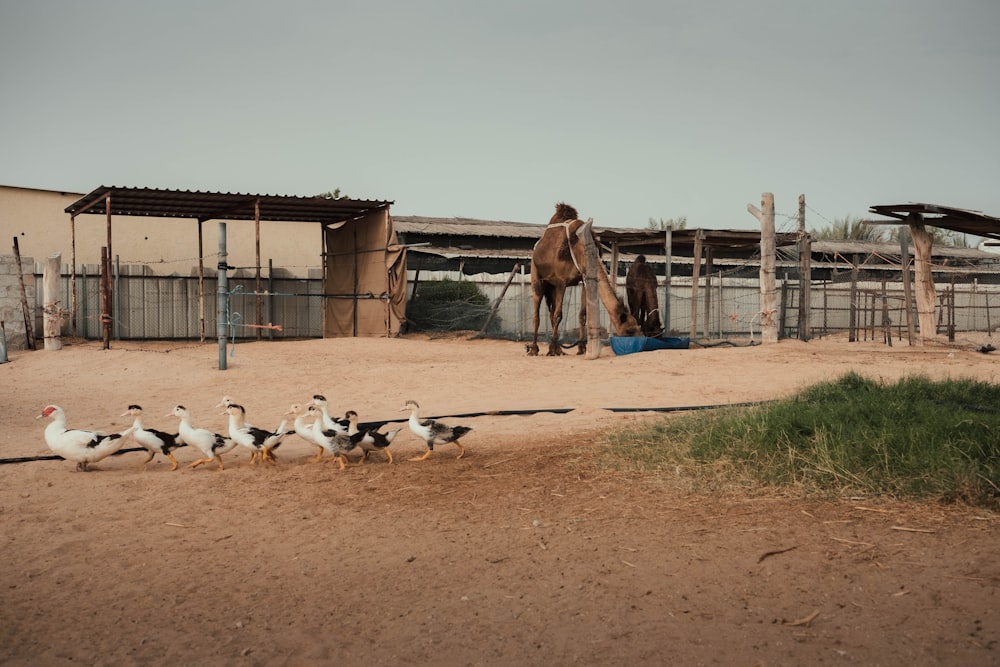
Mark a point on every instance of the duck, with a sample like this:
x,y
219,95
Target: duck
x,y
334,442
329,423
228,400
211,445
78,445
433,432
304,430
251,437
154,441
369,440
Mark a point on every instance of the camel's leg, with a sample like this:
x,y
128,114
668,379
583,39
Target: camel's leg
x,y
537,301
581,345
554,300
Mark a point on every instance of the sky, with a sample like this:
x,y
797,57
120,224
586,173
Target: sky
x,y
628,110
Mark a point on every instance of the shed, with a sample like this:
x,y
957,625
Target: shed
x,y
364,267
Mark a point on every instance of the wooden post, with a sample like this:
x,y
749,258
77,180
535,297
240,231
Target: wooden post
x,y
222,297
805,273
105,300
496,305
260,298
926,294
699,234
52,318
708,293
852,313
668,248
590,281
29,328
904,259
74,318
201,284
768,292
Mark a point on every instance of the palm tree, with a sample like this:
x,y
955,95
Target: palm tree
x,y
850,229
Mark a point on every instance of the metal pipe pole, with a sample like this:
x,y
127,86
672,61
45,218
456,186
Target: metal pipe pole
x,y
222,300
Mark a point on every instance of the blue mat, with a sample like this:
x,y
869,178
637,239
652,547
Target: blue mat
x,y
627,345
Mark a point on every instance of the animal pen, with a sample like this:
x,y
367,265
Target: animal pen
x,y
360,284
858,294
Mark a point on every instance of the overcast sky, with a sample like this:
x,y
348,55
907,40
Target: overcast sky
x,y
628,110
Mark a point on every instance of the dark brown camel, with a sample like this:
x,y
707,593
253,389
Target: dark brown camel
x,y
556,264
640,288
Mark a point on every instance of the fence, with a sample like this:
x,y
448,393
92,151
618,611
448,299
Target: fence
x,y
727,306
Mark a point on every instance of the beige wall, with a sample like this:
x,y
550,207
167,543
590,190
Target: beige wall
x,y
165,246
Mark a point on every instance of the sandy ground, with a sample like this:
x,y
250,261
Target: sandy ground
x,y
523,552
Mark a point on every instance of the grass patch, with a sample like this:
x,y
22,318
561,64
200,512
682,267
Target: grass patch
x,y
852,436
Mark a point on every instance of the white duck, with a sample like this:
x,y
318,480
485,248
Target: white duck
x,y
433,432
211,445
155,442
336,443
83,447
370,440
304,430
329,423
260,442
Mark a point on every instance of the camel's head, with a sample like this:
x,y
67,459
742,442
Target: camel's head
x,y
626,325
563,213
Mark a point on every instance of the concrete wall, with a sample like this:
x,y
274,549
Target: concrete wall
x,y
11,312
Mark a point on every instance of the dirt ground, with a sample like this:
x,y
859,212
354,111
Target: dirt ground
x,y
523,552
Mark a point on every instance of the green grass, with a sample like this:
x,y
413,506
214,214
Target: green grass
x,y
852,436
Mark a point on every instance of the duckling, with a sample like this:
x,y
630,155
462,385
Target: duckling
x,y
338,444
154,441
433,432
329,423
212,445
304,430
369,440
257,440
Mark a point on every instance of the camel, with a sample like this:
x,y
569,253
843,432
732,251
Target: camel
x,y
556,263
640,288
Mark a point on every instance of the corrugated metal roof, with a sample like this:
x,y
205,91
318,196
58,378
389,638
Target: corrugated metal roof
x,y
960,220
157,203
719,238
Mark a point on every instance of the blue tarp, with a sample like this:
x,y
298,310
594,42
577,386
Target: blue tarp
x,y
628,345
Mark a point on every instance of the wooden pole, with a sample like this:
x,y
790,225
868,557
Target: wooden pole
x,y
805,273
29,329
222,297
52,313
706,325
852,315
74,318
590,281
695,275
768,292
668,248
904,259
105,300
201,284
260,298
926,294
496,305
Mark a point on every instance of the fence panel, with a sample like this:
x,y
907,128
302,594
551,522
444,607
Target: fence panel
x,y
167,307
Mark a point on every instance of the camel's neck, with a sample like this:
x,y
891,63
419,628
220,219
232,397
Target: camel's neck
x,y
608,295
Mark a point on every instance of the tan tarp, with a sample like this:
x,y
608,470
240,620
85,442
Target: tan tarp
x,y
364,278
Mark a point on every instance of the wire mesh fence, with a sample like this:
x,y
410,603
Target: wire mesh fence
x,y
723,305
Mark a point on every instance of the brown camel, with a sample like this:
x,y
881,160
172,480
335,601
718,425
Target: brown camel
x,y
556,264
640,288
